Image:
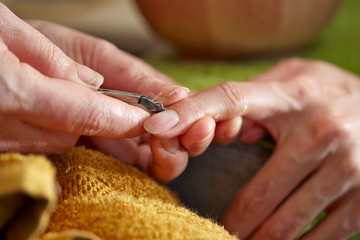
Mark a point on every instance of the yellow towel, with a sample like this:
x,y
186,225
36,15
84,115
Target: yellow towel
x,y
99,198
27,195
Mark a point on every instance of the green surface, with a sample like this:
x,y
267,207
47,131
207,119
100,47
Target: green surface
x,y
339,44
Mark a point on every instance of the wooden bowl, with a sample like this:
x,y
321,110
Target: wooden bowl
x,y
237,28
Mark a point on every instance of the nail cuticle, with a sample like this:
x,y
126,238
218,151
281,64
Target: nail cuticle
x,y
168,145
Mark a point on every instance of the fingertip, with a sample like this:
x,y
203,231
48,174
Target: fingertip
x,y
199,136
253,135
171,145
169,158
228,130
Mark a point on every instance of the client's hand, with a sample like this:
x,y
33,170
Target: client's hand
x,y
311,109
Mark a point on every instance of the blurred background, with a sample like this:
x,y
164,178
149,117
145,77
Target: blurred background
x,y
118,21
327,31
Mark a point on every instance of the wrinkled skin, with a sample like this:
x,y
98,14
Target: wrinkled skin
x,y
311,109
48,74
47,102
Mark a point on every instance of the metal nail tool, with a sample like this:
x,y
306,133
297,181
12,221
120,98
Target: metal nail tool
x,y
135,99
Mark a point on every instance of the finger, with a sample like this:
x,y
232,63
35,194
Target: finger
x,y
256,101
83,112
144,138
121,70
284,70
62,105
340,223
145,158
126,150
32,47
251,131
129,150
315,194
16,136
199,136
253,135
227,131
292,161
169,158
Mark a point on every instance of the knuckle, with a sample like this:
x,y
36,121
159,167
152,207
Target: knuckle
x,y
341,131
235,99
330,128
278,230
94,122
318,64
304,87
192,109
54,54
97,48
319,130
293,62
348,168
249,203
129,67
344,176
14,85
101,45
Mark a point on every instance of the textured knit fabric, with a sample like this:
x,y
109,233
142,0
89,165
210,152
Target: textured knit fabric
x,y
102,198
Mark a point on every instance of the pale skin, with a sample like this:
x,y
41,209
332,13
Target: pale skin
x,y
47,101
311,109
48,74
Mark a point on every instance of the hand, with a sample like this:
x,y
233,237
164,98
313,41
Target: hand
x,y
47,99
310,109
124,72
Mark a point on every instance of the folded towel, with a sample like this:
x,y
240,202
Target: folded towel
x,y
27,195
100,198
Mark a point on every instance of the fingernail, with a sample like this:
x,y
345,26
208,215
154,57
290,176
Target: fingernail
x,y
161,122
89,76
234,128
209,135
178,92
174,94
171,145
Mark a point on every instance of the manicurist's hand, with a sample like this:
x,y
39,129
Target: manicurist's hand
x,y
47,97
127,73
311,109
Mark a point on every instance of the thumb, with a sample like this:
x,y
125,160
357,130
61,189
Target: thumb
x,y
31,47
